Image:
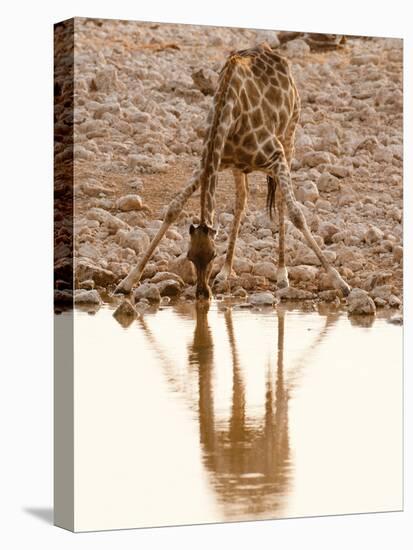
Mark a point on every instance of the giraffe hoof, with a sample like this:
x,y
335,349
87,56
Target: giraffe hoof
x,y
345,289
339,283
224,276
282,283
282,278
122,289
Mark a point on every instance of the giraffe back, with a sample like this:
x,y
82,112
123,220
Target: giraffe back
x,y
265,104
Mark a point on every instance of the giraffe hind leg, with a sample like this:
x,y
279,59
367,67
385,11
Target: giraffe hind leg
x,y
282,273
281,171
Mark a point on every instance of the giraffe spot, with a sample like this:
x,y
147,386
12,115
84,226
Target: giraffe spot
x,y
282,120
236,112
259,63
257,71
260,159
274,80
281,66
236,82
265,79
249,142
262,134
244,100
228,150
284,81
269,58
268,148
256,118
244,159
252,91
273,96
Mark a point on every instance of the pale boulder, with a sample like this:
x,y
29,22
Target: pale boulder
x,y
266,269
129,202
360,303
262,299
87,297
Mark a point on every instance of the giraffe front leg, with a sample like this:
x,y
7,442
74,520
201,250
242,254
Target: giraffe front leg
x,y
174,209
240,201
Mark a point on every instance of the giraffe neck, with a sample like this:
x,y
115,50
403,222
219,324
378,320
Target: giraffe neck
x,y
215,142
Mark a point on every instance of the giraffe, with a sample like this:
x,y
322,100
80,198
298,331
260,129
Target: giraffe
x,y
251,128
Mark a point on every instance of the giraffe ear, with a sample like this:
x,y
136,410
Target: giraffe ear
x,y
191,228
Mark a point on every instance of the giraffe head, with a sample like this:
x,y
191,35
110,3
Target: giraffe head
x,y
201,252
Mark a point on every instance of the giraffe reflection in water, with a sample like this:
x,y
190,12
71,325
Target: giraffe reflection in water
x,y
249,459
247,455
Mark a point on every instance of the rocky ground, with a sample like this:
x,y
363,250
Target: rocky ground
x,y
142,93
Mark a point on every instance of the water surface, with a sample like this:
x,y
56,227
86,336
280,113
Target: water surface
x,y
194,416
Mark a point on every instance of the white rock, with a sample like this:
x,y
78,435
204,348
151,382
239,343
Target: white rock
x,y
396,214
136,239
346,198
111,222
338,170
166,275
148,292
80,153
89,284
85,269
360,303
87,297
384,292
242,265
111,108
174,235
262,299
291,293
169,287
266,269
260,244
396,320
92,189
129,202
297,48
307,192
226,218
302,273
326,230
373,234
327,183
106,79
184,268
365,59
88,251
394,301
324,205
315,158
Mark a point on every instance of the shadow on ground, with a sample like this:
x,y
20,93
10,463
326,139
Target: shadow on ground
x,y
44,514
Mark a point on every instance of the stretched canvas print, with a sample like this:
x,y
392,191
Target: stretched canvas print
x,y
228,274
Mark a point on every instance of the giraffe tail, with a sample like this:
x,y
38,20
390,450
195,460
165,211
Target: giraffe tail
x,y
271,188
